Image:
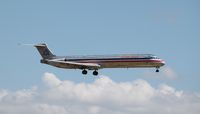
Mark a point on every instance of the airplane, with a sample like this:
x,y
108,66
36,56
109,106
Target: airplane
x,y
96,62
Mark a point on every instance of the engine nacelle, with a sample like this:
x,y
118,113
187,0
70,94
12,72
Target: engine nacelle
x,y
43,61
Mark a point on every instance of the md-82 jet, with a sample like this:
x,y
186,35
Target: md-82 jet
x,y
96,62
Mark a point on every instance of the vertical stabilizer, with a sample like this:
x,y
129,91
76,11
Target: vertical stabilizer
x,y
44,51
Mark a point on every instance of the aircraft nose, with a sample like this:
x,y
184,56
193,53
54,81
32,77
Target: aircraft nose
x,y
162,62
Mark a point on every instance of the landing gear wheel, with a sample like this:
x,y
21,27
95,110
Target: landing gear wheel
x,y
157,70
84,72
95,73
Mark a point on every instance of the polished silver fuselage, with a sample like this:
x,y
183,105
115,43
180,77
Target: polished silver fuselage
x,y
109,61
96,62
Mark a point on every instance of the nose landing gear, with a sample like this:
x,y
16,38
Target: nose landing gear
x,y
157,69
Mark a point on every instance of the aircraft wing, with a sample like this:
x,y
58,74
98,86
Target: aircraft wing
x,y
90,66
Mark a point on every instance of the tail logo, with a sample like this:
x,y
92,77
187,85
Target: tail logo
x,y
46,52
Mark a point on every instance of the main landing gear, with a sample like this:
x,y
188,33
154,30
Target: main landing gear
x,y
84,72
95,73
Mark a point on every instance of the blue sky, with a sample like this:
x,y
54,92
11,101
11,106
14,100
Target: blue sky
x,y
169,29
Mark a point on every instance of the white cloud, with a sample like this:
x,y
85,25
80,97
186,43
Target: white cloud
x,y
103,96
167,90
51,80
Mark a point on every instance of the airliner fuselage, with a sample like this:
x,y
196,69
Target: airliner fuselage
x,y
95,62
115,61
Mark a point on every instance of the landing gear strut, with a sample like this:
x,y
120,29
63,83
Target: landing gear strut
x,y
157,69
84,72
95,73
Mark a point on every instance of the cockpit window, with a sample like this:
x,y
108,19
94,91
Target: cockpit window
x,y
154,57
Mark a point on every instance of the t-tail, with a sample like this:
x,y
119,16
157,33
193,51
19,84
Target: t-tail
x,y
44,51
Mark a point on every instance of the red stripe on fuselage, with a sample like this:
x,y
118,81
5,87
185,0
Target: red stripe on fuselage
x,y
103,61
